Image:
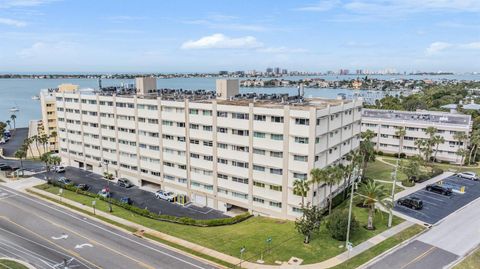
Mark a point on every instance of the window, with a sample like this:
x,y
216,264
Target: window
x,y
194,126
276,171
240,132
240,180
258,200
208,143
301,121
222,114
276,137
195,155
276,154
207,128
240,116
258,168
259,184
300,158
277,119
258,134
207,113
259,117
276,204
240,164
194,111
259,151
301,140
222,176
239,195
276,187
300,176
222,145
180,124
222,130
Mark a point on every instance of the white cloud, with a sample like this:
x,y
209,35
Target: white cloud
x,y
220,41
23,3
229,26
320,6
437,47
282,50
472,45
124,18
42,49
11,22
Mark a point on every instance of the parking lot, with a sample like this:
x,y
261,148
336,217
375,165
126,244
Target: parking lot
x,y
141,198
438,206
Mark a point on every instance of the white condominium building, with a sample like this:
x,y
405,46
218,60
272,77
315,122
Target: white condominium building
x,y
244,151
385,123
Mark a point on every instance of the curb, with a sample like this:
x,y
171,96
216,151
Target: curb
x,y
26,264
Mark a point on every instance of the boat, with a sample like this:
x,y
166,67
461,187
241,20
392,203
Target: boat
x,y
35,97
14,109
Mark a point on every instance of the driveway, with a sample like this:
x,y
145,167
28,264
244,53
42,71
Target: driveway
x,y
436,206
141,198
30,165
16,141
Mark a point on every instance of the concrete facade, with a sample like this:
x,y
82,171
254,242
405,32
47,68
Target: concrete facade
x,y
145,85
227,88
386,122
219,153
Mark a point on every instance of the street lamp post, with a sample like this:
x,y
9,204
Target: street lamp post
x,y
394,175
108,186
347,243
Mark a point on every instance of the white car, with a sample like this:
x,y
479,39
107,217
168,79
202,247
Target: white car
x,y
105,193
468,175
59,169
167,196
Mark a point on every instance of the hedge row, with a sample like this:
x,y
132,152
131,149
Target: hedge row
x,y
155,216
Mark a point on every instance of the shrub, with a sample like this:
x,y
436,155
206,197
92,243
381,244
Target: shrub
x,y
161,217
408,183
422,178
402,155
436,171
380,153
337,224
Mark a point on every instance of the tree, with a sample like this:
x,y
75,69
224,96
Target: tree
x,y
474,142
45,157
2,128
13,117
301,188
318,176
43,139
335,175
437,140
461,138
421,144
337,224
355,160
21,154
367,150
430,142
8,123
410,168
371,193
28,142
400,132
309,222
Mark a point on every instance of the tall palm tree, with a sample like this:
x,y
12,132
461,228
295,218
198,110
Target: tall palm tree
x,y
400,132
301,187
371,193
475,140
13,117
8,123
21,154
28,144
355,160
44,141
437,140
421,143
36,139
317,177
461,138
334,176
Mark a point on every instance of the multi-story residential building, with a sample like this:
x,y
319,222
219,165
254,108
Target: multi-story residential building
x,y
49,111
385,123
245,151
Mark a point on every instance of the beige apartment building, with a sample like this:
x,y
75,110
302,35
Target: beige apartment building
x,y
49,111
386,122
242,152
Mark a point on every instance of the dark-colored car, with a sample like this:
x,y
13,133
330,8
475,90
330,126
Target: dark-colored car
x,y
123,182
5,167
411,202
83,187
64,180
439,189
126,200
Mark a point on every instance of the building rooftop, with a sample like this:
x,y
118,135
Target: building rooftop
x,y
417,116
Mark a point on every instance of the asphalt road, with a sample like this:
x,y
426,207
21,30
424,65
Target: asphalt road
x,y
442,244
437,206
33,166
16,141
141,198
45,235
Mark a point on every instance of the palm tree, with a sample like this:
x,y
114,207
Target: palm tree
x,y
44,141
53,135
13,117
461,138
300,187
475,140
367,152
355,160
36,139
420,143
8,123
437,140
400,132
27,143
45,157
370,194
21,154
317,176
334,176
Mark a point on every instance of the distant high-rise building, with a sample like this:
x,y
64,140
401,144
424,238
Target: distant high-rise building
x,y
284,71
359,72
277,70
222,73
269,70
344,72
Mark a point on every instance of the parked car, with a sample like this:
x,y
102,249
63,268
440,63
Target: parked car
x,y
126,200
64,180
83,187
105,193
468,175
439,189
5,167
123,182
411,202
167,196
59,169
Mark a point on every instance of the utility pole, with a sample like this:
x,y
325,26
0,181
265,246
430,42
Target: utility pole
x,y
394,176
347,243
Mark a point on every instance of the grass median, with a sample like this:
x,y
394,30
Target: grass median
x,y
9,264
472,261
251,233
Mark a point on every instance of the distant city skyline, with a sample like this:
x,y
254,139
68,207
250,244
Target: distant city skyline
x,y
48,36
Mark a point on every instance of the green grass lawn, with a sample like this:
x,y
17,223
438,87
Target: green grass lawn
x,y
8,264
388,187
382,171
252,233
470,262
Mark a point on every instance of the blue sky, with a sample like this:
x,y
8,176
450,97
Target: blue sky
x,y
204,36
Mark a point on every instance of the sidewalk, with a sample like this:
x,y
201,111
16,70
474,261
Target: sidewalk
x,y
419,186
230,259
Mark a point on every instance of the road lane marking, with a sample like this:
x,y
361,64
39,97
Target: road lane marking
x,y
72,215
44,246
421,256
17,246
28,253
88,239
83,245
